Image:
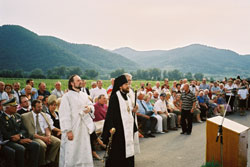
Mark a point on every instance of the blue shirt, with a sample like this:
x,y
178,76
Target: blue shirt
x,y
217,88
204,86
201,99
221,100
149,106
32,90
142,107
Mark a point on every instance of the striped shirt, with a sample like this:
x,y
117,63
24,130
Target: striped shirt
x,y
187,100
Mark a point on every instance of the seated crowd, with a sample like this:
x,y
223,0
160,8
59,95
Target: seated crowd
x,y
29,118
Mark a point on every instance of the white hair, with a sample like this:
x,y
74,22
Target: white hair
x,y
58,82
206,90
128,75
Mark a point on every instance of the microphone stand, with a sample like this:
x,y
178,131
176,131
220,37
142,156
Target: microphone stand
x,y
220,131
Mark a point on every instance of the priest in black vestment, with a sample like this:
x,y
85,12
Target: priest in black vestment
x,y
121,116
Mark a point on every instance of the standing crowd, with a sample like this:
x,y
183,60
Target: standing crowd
x,y
36,126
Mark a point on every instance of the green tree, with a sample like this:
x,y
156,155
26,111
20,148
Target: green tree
x,y
61,71
51,74
91,74
117,73
211,79
37,73
175,75
73,71
189,76
18,74
164,74
6,73
198,76
155,74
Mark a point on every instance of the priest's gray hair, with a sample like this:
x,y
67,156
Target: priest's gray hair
x,y
128,75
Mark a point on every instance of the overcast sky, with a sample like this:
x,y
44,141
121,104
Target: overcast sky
x,y
140,24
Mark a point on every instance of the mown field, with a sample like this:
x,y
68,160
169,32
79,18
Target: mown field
x,y
51,82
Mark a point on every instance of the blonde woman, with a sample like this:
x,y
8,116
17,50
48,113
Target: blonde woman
x,y
158,126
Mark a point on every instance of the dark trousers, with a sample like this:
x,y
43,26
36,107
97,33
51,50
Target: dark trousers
x,y
231,103
203,111
123,162
9,155
186,115
93,138
147,124
33,149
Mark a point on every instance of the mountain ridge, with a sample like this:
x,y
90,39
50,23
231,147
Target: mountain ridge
x,y
192,58
21,48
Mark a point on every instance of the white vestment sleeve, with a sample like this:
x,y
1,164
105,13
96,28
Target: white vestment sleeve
x,y
88,121
92,113
65,114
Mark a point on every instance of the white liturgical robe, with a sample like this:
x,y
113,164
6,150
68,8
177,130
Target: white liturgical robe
x,y
77,152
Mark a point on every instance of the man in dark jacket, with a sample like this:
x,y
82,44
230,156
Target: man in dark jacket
x,y
13,130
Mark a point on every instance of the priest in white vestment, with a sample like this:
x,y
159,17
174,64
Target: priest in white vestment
x,y
76,126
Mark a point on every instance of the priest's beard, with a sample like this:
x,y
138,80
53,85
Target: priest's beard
x,y
125,90
77,87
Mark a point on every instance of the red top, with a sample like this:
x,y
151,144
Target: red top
x,y
149,90
100,111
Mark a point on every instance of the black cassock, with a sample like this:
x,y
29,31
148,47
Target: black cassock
x,y
117,155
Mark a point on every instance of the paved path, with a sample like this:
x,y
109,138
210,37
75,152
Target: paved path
x,y
175,150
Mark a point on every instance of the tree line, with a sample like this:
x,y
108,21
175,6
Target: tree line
x,y
63,72
157,74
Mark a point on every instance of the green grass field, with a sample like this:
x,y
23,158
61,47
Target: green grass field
x,y
50,82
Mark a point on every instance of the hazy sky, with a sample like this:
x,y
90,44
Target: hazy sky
x,y
140,24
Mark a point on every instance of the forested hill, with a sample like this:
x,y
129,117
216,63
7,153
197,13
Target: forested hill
x,y
23,49
193,58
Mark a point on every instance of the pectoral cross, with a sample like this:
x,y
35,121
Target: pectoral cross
x,y
128,108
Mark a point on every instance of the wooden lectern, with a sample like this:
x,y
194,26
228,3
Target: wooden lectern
x,y
235,143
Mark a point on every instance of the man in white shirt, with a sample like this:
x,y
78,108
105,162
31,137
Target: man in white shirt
x,y
243,96
39,129
184,82
193,87
157,87
228,89
98,91
57,91
161,107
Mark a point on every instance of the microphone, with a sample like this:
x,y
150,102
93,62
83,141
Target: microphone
x,y
219,133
